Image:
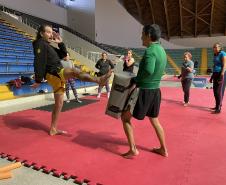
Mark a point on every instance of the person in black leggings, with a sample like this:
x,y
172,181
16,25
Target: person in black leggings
x,y
219,76
187,76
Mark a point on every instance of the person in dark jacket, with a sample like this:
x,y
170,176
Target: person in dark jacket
x,y
104,65
47,66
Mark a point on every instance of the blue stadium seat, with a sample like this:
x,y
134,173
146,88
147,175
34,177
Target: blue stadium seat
x,y
16,54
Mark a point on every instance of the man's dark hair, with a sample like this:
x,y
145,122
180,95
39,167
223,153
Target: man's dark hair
x,y
153,31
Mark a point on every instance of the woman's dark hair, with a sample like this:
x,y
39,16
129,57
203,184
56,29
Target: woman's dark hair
x,y
41,29
153,31
104,53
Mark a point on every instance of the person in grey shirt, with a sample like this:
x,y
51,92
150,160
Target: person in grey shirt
x,y
67,63
187,76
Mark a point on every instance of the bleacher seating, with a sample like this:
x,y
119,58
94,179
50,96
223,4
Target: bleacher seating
x,y
5,92
210,57
175,54
16,55
178,54
16,59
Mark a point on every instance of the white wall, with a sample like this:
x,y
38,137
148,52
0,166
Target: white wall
x,y
78,43
81,17
38,8
115,26
169,45
201,42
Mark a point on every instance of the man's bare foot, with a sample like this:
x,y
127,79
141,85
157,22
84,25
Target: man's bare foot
x,y
130,154
54,132
160,151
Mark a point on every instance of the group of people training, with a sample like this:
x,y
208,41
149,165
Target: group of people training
x,y
218,77
104,64
151,68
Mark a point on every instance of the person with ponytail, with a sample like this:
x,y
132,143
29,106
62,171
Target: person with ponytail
x,y
47,66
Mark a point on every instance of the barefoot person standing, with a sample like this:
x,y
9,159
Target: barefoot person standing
x,y
187,76
47,66
150,71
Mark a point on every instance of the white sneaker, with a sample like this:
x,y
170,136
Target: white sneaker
x,y
78,100
98,96
108,94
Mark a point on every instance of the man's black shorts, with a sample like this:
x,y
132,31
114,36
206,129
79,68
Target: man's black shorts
x,y
148,104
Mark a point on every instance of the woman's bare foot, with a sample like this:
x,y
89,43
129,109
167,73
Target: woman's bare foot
x,y
54,132
160,151
130,154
